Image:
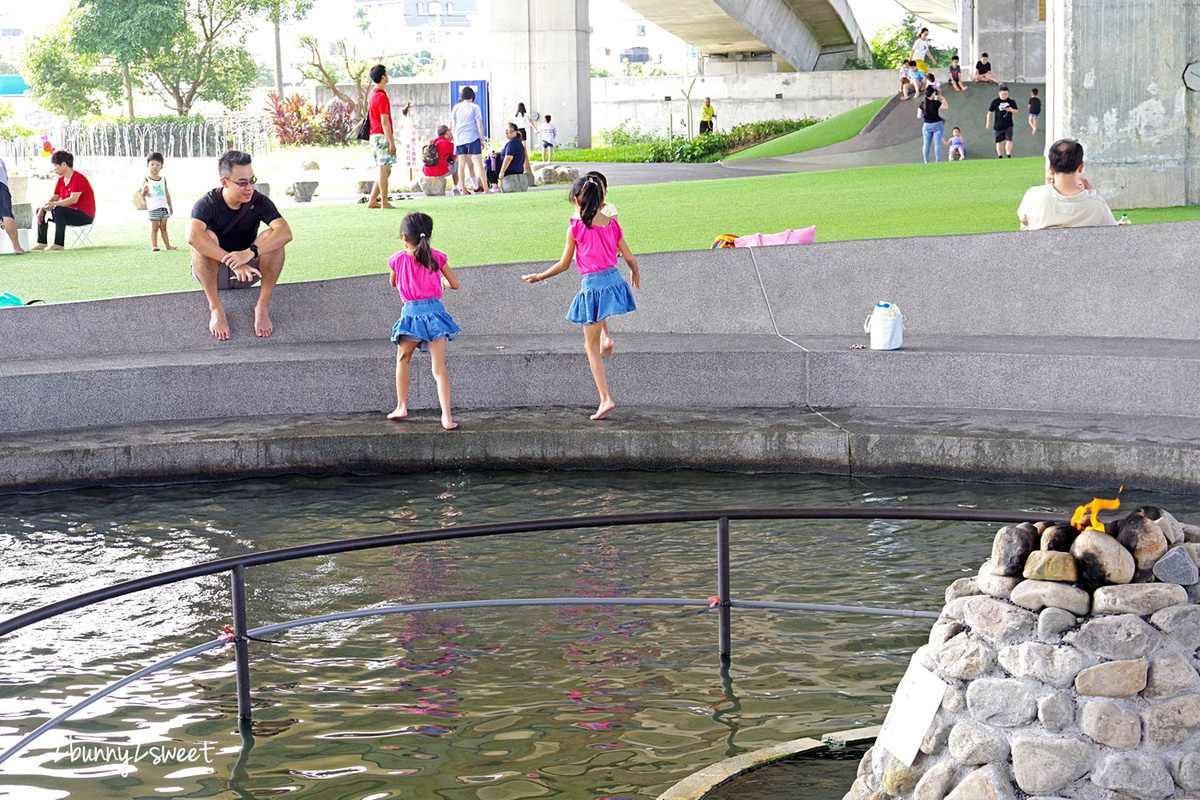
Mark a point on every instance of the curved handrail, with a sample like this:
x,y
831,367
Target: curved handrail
x,y
500,528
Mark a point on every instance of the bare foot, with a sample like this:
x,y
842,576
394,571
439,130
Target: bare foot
x,y
169,247
38,247
17,251
262,323
153,249
400,413
448,423
605,407
217,325
388,205
373,205
56,247
606,346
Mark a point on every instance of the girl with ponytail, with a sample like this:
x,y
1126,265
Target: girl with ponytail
x,y
418,272
593,241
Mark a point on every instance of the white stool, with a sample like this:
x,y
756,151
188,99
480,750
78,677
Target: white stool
x,y
82,235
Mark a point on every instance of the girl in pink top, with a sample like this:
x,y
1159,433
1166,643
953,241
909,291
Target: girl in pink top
x,y
417,272
594,241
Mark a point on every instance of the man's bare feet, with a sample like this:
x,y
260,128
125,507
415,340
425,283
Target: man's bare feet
x,y
17,251
448,423
399,413
170,247
605,407
38,247
56,247
217,325
262,323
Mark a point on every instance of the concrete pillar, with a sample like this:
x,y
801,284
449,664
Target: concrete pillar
x,y
539,54
1010,32
967,55
1117,86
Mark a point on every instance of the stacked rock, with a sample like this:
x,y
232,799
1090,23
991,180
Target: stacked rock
x,y
1072,669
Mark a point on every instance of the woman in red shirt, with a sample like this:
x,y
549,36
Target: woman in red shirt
x,y
73,202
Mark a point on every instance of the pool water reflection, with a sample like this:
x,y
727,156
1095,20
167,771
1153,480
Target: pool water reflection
x,y
496,704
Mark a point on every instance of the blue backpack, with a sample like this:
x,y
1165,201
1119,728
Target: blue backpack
x,y
7,299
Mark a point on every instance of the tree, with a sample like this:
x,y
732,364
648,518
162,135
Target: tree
x,y
63,79
410,65
8,68
637,69
127,32
10,130
600,72
352,69
278,12
892,45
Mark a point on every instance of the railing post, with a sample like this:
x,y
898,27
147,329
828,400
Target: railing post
x,y
724,647
241,645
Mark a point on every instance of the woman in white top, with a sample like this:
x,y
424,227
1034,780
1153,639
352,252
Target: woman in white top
x,y
522,122
920,51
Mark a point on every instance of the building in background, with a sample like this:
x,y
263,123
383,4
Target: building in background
x,y
620,36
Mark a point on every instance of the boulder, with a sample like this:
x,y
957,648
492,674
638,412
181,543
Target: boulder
x,y
1117,638
513,183
1166,523
304,191
1056,712
1058,538
1046,565
1111,724
966,587
1181,623
996,620
1053,622
1002,702
1177,566
1113,678
1036,595
1056,666
972,744
364,187
1102,560
1171,722
964,657
1144,538
986,783
1045,765
1142,599
1140,775
1010,547
308,164
433,186
1170,675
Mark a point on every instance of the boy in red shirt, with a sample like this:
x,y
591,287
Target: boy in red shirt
x,y
72,203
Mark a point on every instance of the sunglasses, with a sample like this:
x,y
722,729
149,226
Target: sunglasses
x,y
249,182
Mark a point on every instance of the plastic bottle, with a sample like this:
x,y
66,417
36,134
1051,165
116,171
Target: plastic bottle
x,y
1124,220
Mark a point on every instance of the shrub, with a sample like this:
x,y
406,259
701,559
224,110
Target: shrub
x,y
623,135
299,122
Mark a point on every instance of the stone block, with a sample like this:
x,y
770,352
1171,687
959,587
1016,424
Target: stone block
x,y
1002,702
23,215
1053,622
998,621
433,186
1111,724
1036,595
304,190
1171,722
1117,638
1141,775
972,744
964,657
1113,678
1043,764
1043,565
264,189
364,187
1186,772
1056,712
1177,566
1142,599
1056,666
1181,623
513,183
986,783
1170,675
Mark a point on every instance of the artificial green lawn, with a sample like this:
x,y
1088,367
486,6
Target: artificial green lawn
x,y
831,131
335,241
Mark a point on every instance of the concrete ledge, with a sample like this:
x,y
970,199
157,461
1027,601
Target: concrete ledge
x,y
1156,453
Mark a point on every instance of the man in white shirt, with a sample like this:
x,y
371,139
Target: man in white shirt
x,y
1067,200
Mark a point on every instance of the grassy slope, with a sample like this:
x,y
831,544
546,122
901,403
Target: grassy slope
x,y
831,131
333,241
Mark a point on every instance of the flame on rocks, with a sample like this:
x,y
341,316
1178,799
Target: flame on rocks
x,y
1086,516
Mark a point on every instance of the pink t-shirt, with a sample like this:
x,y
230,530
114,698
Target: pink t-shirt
x,y
413,281
595,247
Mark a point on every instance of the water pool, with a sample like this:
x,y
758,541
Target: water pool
x,y
497,704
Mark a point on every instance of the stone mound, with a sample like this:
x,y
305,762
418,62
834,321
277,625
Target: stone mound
x,y
1071,669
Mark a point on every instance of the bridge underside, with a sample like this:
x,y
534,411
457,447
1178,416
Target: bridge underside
x,y
806,34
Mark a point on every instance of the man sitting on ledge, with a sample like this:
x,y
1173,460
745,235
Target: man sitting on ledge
x,y
228,252
1067,200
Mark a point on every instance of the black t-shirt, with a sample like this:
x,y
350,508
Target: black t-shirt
x,y
1035,105
982,68
213,211
1003,109
516,148
931,109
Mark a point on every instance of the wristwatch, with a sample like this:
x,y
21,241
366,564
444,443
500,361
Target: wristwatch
x,y
254,249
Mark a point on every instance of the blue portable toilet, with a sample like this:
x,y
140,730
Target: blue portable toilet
x,y
12,85
481,99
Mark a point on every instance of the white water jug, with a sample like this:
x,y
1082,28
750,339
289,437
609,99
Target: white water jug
x,y
886,326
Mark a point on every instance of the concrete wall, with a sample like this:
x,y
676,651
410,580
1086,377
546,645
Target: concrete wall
x,y
736,98
1116,70
1010,32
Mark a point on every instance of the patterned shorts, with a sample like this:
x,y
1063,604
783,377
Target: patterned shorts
x,y
158,214
379,150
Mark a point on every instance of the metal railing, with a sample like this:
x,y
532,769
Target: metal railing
x,y
722,602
